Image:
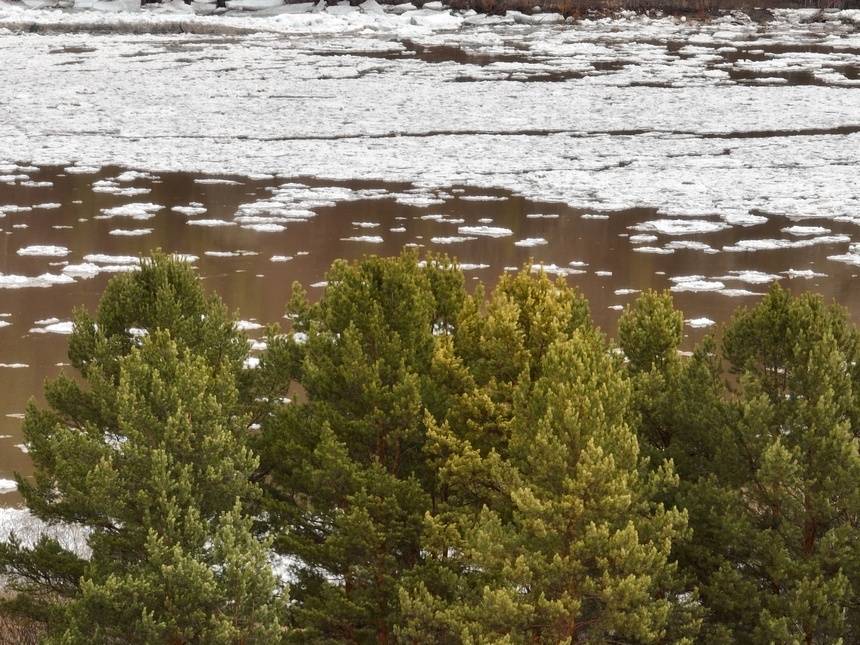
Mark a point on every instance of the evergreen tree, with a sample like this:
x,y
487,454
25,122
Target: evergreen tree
x,y
771,472
561,541
149,454
346,474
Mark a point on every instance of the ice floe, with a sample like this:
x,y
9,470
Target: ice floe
x,y
44,250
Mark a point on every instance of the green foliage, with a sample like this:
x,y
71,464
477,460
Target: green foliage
x,y
561,542
149,454
452,467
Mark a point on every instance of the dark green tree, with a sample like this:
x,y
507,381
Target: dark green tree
x,y
347,479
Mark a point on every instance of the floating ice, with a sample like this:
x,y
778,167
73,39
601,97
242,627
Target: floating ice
x,y
369,239
751,277
656,250
699,323
46,251
63,327
452,239
211,223
680,226
772,244
485,231
130,232
806,274
281,258
103,258
530,242
247,325
7,486
141,211
8,281
189,211
806,230
641,238
695,283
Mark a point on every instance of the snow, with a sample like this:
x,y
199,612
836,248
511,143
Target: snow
x,y
63,327
133,232
452,239
45,251
530,242
413,122
699,323
680,226
695,283
138,211
210,223
369,239
11,281
485,231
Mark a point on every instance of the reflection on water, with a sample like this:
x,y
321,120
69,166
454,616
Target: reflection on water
x,y
258,288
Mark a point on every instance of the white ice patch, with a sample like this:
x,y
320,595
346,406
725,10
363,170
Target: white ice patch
x,y
189,211
806,230
211,223
695,283
751,277
530,242
680,226
8,281
776,244
452,239
699,323
247,325
138,211
130,232
63,327
369,239
485,231
44,251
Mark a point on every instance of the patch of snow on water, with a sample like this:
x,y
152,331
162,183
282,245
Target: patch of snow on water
x,y
369,239
699,323
695,283
485,231
130,232
531,242
44,251
138,211
53,326
8,281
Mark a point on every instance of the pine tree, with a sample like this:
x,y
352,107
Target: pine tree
x,y
347,480
771,487
149,454
560,541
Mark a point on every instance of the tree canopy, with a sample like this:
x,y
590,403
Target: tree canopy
x,y
412,462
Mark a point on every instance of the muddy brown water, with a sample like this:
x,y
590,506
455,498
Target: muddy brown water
x,y
258,288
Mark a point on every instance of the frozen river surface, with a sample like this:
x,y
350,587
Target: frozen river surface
x,y
711,158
